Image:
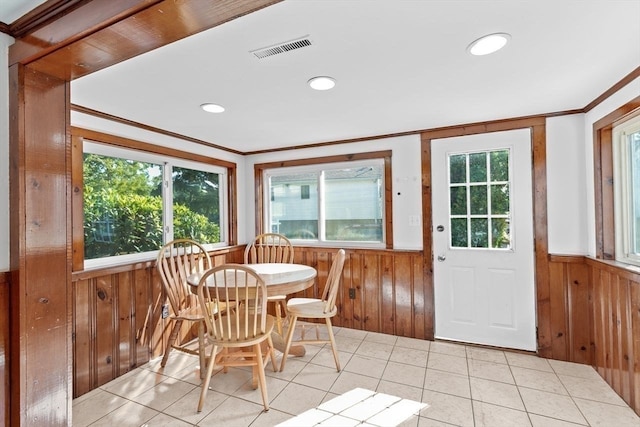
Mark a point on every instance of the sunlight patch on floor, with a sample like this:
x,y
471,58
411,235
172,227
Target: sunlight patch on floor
x,y
358,407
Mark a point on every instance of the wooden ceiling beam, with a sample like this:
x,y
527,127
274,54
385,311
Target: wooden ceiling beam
x,y
99,34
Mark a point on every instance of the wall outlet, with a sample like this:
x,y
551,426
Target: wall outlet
x,y
352,293
165,311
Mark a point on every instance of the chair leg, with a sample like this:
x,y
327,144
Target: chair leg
x,y
278,316
333,344
272,353
292,327
261,377
172,339
201,349
207,378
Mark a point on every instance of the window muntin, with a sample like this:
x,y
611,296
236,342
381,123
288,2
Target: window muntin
x,y
479,200
134,202
336,202
626,149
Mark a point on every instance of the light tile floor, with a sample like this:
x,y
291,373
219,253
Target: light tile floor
x,y
462,385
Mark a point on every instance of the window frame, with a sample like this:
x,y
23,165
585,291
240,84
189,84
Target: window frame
x,y
604,175
144,152
622,169
261,189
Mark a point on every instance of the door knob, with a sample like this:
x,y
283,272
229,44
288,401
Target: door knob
x,y
441,258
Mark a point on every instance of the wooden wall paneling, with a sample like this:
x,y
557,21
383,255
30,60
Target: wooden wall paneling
x,y
626,341
142,314
402,285
5,391
123,317
345,315
358,283
387,292
634,332
106,329
579,315
558,310
371,292
614,330
419,306
83,331
598,321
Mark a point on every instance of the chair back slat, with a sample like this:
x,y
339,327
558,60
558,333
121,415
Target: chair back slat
x,y
233,282
176,261
330,293
269,248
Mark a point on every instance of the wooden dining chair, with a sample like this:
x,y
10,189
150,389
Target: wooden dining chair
x,y
271,248
245,329
317,308
176,261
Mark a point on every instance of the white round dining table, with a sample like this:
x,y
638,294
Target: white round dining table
x,y
280,278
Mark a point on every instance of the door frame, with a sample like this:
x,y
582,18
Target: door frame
x,y
537,125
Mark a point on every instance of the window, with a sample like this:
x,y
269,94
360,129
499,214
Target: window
x,y
479,200
626,149
135,201
331,202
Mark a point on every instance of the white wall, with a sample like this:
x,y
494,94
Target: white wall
x,y
406,176
566,186
618,99
5,42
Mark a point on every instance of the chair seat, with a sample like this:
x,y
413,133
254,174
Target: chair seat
x,y
309,308
194,313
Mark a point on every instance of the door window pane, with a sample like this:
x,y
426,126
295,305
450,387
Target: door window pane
x,y
459,233
500,199
478,167
480,209
499,165
458,200
478,199
479,233
458,169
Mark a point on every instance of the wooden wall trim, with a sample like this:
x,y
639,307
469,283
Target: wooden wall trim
x,y
538,145
131,123
613,89
123,142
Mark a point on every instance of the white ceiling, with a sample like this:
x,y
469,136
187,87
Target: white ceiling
x,y
10,10
400,65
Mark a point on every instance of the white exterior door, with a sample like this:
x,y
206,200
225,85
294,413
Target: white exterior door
x,y
483,239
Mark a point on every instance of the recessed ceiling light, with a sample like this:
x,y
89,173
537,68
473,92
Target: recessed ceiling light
x,y
489,44
322,83
212,108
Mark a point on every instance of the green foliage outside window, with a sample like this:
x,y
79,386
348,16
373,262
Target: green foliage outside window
x,y
123,206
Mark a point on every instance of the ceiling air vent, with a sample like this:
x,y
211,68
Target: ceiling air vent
x,y
282,47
